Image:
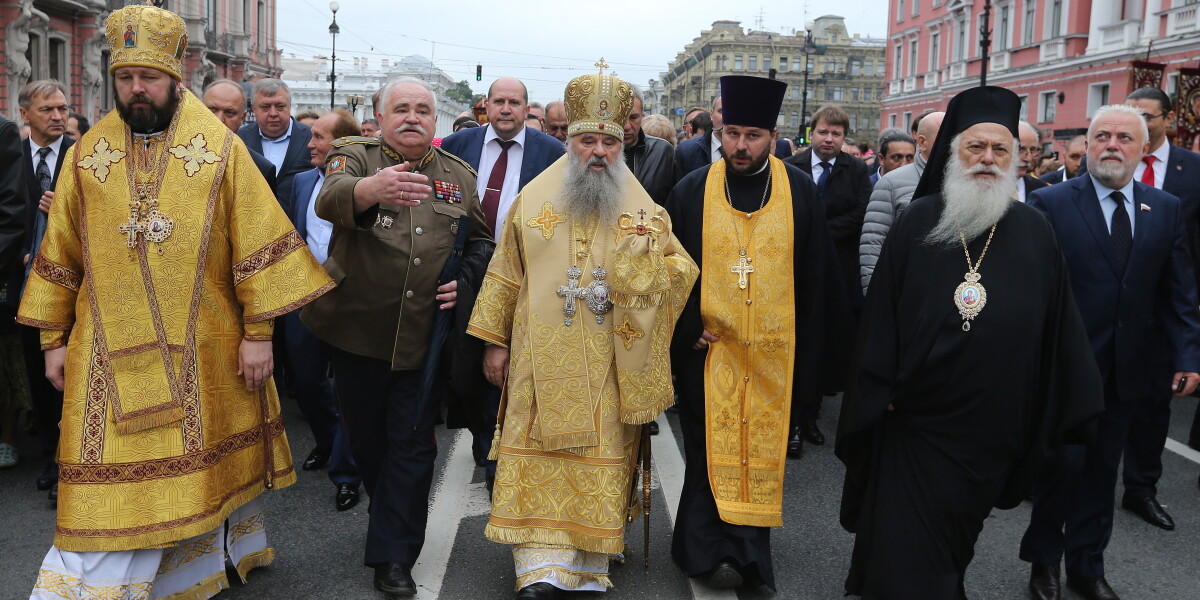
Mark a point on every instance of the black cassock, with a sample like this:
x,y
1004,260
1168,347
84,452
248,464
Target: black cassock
x,y
702,539
975,411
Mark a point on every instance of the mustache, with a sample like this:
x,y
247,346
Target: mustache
x,y
993,169
1111,154
144,98
597,161
411,127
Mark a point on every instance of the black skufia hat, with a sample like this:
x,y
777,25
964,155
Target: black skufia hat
x,y
751,101
984,104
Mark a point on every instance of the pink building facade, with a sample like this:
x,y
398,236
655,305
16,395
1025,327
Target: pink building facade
x,y
1065,58
64,40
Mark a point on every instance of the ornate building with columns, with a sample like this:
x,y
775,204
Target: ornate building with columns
x,y
1064,58
64,40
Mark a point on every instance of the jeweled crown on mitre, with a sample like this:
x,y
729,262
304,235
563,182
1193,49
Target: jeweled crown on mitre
x,y
598,103
146,36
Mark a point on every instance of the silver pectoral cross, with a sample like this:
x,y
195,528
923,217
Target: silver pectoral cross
x,y
131,230
570,293
743,269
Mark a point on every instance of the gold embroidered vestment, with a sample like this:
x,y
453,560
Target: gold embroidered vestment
x,y
160,440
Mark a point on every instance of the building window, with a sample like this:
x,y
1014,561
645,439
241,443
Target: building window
x,y
869,67
835,38
898,56
782,64
1024,108
795,92
1172,84
1046,106
853,122
261,24
737,62
59,67
892,120
900,10
912,57
856,67
796,64
854,94
1097,97
935,40
33,54
1003,32
1030,11
833,93
766,62
246,4
960,41
916,4
753,62
1055,30
879,68
795,122
907,121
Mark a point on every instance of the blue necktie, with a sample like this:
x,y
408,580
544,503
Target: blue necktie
x,y
823,179
1122,232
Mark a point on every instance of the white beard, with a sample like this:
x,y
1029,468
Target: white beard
x,y
586,193
1109,174
972,205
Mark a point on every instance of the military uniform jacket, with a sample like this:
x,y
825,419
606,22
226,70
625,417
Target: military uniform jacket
x,y
386,261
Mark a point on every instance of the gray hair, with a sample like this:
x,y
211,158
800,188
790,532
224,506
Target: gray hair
x,y
1120,109
39,89
386,91
637,93
1035,130
271,87
230,82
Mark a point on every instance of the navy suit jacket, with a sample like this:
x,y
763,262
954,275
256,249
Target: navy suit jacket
x,y
1143,326
302,188
265,167
1053,177
296,160
540,150
1183,181
694,153
32,185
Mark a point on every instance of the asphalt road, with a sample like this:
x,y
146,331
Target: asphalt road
x,y
319,550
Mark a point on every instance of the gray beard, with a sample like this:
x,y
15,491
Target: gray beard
x,y
586,193
972,206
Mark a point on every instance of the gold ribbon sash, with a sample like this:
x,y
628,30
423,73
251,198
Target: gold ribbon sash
x,y
748,371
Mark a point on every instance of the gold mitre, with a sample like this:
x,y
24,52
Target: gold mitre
x,y
598,103
146,36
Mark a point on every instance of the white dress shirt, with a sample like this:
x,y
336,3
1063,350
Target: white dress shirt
x,y
51,158
714,149
512,179
276,150
1160,165
1020,189
319,231
1109,206
817,169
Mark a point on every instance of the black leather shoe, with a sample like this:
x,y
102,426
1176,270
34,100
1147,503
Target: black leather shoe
x,y
538,591
724,577
48,477
653,427
1150,510
811,434
395,579
1044,583
1092,589
347,496
316,460
795,443
490,483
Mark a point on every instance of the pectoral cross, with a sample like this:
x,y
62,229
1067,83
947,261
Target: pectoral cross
x,y
743,268
570,293
131,229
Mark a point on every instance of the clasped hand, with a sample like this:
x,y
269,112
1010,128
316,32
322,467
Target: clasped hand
x,y
392,187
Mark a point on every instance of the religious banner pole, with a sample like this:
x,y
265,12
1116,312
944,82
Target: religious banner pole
x,y
985,40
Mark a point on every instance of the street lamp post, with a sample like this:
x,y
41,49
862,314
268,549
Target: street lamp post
x,y
333,31
809,47
985,41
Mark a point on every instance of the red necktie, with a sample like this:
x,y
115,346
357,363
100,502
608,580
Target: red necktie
x,y
491,197
1148,174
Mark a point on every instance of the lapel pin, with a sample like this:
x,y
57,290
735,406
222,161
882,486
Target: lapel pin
x,y
1144,207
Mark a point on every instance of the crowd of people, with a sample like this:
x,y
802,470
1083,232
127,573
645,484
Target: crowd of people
x,y
171,275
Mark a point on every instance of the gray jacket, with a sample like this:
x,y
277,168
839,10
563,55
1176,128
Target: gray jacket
x,y
892,194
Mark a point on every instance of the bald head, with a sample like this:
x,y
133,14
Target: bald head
x,y
927,132
226,100
507,106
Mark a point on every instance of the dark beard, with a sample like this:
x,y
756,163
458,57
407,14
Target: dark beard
x,y
755,166
142,120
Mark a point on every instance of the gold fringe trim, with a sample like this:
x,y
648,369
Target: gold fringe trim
x,y
636,301
255,560
207,588
542,537
494,453
486,336
571,580
641,416
154,419
584,439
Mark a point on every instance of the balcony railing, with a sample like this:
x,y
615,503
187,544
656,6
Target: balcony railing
x,y
894,87
1053,50
958,71
1183,19
931,79
910,84
1120,35
999,61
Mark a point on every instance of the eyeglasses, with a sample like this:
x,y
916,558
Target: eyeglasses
x,y
1149,117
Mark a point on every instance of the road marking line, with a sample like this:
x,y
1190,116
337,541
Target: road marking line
x,y
1183,450
668,464
453,498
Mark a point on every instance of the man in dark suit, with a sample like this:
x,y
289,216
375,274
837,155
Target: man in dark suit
x,y
523,153
651,159
1126,252
277,136
1176,171
308,357
845,188
1071,160
701,151
226,99
43,106
12,233
1029,153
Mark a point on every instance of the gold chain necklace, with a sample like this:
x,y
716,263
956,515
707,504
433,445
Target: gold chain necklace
x,y
146,221
742,268
596,294
970,296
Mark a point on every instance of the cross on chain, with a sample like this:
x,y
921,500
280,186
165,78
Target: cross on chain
x,y
642,213
570,293
743,268
134,227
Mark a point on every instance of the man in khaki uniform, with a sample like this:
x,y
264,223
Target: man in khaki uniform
x,y
396,204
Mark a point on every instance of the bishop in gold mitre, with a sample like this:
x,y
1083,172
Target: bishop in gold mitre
x,y
765,326
165,260
577,309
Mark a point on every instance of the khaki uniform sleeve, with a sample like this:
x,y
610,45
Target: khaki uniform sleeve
x,y
335,203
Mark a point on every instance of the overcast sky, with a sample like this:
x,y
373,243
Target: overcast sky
x,y
544,43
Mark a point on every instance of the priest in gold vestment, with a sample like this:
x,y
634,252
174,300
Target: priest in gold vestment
x,y
767,324
577,308
165,260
